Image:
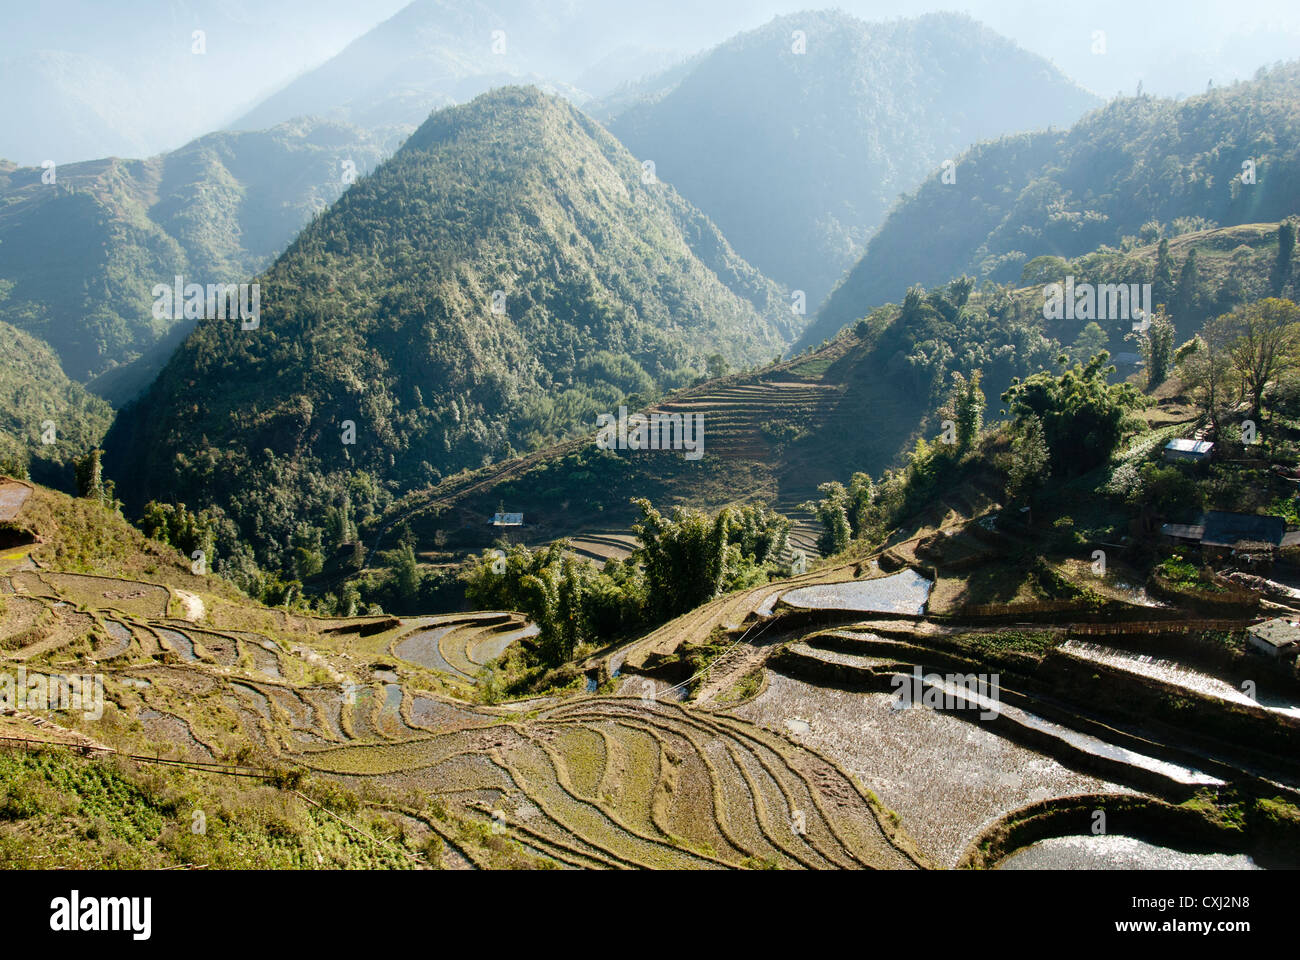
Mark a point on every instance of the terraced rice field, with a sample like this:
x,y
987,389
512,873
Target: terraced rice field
x,y
1178,674
600,547
947,778
734,414
745,767
904,592
462,645
12,497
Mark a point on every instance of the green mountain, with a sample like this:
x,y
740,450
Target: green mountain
x,y
46,420
505,277
82,254
798,157
859,402
1135,163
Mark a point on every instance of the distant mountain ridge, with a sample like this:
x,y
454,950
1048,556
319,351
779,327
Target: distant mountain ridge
x,y
796,138
1062,193
82,254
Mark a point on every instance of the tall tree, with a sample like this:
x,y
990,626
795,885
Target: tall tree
x,y
1156,344
1187,299
833,512
1162,281
1091,341
968,407
1265,338
1285,251
1030,464
1205,366
90,476
1081,412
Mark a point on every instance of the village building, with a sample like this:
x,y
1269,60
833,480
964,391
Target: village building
x,y
1188,451
1275,638
1246,540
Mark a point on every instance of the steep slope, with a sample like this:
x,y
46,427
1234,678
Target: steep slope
x,y
798,157
1134,161
857,403
504,278
37,404
83,253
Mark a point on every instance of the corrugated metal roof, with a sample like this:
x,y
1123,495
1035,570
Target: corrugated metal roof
x,y
1223,529
1198,447
1277,633
1184,531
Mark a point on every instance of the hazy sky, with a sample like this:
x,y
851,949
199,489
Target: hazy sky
x,y
127,63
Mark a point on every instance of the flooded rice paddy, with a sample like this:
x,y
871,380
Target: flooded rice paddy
x,y
1177,674
1117,853
947,778
119,643
488,650
178,643
905,592
422,648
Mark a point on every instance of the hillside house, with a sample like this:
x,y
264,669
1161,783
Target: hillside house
x,y
1246,540
1188,451
1279,639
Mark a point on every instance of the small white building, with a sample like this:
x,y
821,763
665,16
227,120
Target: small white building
x,y
1275,638
507,520
1188,451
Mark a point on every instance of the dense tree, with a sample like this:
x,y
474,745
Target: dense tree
x,y
1163,286
1263,338
1285,253
1030,462
186,530
405,570
1156,344
684,557
1091,341
90,476
1082,414
833,512
968,403
1188,297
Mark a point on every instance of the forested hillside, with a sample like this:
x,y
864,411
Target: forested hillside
x,y
861,402
82,253
46,420
505,278
1137,167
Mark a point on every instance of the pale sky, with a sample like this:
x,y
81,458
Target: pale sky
x,y
139,49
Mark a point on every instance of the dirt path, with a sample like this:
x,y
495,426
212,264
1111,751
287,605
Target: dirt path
x,y
194,608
